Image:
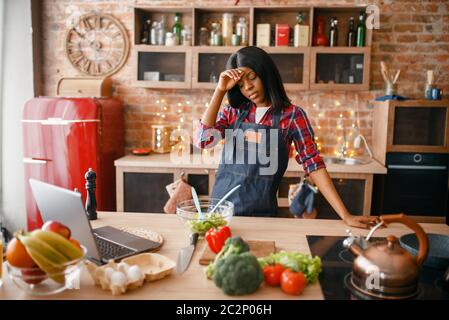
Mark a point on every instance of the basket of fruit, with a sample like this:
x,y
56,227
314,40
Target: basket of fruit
x,y
45,261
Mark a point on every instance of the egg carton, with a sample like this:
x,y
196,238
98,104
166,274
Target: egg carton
x,y
152,267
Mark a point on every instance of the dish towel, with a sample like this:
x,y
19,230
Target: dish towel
x,y
303,200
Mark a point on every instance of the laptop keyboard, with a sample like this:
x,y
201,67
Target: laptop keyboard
x,y
110,250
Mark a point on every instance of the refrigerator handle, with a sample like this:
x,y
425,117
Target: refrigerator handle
x,y
36,160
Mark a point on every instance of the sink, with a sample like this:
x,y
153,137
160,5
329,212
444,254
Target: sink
x,y
346,160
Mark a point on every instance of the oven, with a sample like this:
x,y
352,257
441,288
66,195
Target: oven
x,y
415,184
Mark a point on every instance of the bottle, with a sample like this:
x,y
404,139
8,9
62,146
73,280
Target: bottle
x,y
297,30
361,29
227,30
161,32
350,39
320,37
242,31
186,35
154,32
146,35
301,32
177,28
333,33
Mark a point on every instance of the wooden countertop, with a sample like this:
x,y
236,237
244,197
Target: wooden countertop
x,y
164,161
289,234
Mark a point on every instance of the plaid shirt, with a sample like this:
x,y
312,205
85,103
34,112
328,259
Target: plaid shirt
x,y
294,126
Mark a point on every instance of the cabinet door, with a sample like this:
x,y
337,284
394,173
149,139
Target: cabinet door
x,y
340,68
145,192
163,67
200,181
351,191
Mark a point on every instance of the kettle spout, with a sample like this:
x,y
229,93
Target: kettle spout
x,y
355,244
355,249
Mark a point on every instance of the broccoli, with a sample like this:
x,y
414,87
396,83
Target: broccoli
x,y
238,274
234,245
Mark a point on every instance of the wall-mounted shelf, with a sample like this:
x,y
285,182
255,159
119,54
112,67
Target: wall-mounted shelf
x,y
301,68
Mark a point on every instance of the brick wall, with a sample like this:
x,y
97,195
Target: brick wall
x,y
414,37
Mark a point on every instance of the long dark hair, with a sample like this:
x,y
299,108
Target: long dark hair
x,y
265,68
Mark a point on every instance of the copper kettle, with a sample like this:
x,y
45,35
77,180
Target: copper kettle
x,y
386,270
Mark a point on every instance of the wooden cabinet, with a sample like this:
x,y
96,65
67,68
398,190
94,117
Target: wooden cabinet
x,y
141,186
301,68
410,126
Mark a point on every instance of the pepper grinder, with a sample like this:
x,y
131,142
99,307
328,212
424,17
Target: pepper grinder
x,y
91,201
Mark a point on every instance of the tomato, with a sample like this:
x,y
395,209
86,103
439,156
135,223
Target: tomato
x,y
272,274
293,282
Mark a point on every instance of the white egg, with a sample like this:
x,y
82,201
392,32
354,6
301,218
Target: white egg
x,y
134,273
123,267
118,279
108,272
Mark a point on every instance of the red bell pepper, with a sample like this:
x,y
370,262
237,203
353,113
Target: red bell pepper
x,y
217,237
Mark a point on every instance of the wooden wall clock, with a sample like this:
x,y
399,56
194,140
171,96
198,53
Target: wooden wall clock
x,y
97,44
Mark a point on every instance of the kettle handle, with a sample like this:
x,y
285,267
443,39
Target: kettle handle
x,y
422,236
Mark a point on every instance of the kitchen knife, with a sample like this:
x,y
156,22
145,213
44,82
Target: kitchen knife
x,y
185,255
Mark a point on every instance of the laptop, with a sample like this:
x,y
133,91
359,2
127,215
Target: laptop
x,y
103,243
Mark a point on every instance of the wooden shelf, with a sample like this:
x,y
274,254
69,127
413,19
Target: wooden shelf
x,y
302,60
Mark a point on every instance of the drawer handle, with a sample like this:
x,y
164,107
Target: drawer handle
x,y
405,167
36,160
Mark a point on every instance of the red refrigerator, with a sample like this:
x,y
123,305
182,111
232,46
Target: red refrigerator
x,y
63,138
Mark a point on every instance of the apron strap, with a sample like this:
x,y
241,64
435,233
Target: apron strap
x,y
276,119
242,116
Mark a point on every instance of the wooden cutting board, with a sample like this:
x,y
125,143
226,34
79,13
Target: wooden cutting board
x,y
259,248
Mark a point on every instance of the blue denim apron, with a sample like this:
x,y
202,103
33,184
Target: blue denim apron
x,y
257,195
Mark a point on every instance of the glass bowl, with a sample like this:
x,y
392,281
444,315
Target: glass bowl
x,y
189,216
36,282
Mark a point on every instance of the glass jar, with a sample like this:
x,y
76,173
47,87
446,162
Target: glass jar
x,y
170,39
242,31
227,30
186,36
204,36
236,40
216,38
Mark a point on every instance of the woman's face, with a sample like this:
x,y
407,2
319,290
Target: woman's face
x,y
251,87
